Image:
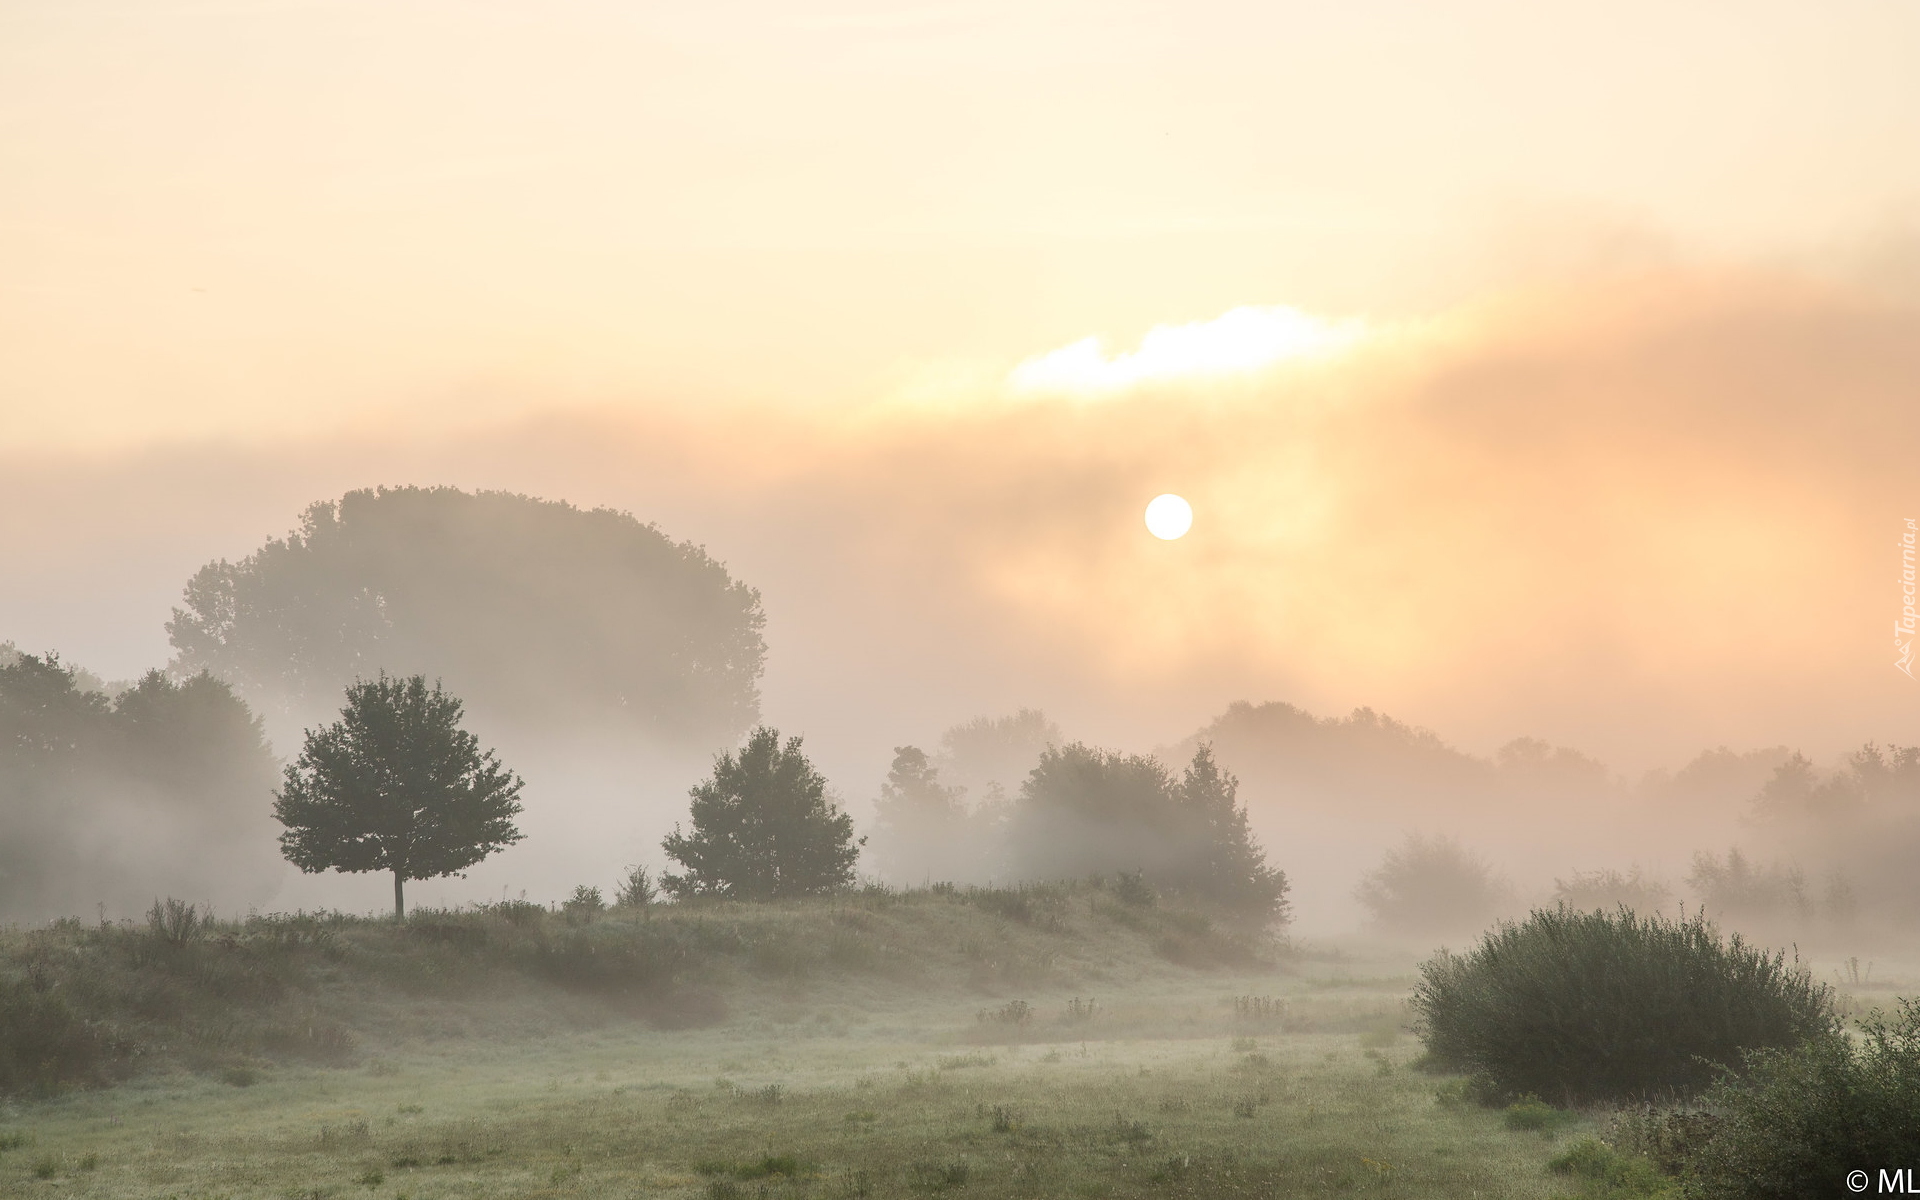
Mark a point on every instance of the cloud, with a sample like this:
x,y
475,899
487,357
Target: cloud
x,y
1240,341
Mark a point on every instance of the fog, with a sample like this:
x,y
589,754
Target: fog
x,y
1632,521
1540,382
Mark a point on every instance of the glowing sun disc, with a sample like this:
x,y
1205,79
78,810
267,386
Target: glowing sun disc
x,y
1169,517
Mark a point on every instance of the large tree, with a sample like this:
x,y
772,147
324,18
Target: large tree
x,y
396,785
531,609
763,828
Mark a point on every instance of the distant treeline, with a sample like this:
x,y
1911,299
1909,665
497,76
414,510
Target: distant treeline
x,y
161,788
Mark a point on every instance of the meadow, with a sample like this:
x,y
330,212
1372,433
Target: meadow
x,y
1043,1043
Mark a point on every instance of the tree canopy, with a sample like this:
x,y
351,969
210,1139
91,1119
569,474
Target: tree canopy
x,y
533,609
763,828
396,785
1083,810
114,799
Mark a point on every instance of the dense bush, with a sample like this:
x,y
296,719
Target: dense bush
x,y
1798,1120
1581,1006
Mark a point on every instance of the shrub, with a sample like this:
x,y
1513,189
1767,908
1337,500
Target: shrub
x,y
1604,1006
584,905
45,1045
175,922
1593,1160
1799,1119
637,890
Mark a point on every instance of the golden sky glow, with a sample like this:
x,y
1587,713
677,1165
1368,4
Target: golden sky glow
x,y
1533,368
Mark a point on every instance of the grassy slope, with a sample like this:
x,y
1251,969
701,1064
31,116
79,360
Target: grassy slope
x,y
846,1056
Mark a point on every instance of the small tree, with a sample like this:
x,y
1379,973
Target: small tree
x,y
636,891
396,785
763,828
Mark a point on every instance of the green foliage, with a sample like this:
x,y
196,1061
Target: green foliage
x,y
1431,886
584,905
1604,1006
1535,1115
188,755
46,1046
763,828
637,890
1084,811
175,922
396,785
1798,1119
1597,1163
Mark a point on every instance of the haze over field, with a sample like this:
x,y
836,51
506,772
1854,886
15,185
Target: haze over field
x,y
1532,371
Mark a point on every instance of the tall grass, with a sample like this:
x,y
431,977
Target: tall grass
x,y
1583,1006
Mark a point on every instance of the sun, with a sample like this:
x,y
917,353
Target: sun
x,y
1169,517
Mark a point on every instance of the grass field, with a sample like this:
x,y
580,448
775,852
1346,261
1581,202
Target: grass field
x,y
1045,1045
1159,1090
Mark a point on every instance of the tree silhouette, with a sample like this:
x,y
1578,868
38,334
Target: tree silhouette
x,y
1084,810
396,785
533,610
763,828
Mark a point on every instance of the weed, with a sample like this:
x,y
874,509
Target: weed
x,y
1130,1131
1245,1106
939,1176
1131,887
784,1165
1078,1011
1534,1114
46,1167
1014,1012
175,922
1005,1120
956,1062
240,1076
89,1162
1259,1010
1244,1045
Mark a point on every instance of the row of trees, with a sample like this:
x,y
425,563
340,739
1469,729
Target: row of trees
x,y
114,797
396,785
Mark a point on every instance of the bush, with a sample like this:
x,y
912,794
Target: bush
x,y
1611,1006
45,1045
1593,1160
584,905
175,922
1432,886
1799,1119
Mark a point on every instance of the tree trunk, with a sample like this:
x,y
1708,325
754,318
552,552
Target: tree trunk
x,y
399,898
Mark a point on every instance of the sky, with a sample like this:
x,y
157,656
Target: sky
x,y
1541,369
